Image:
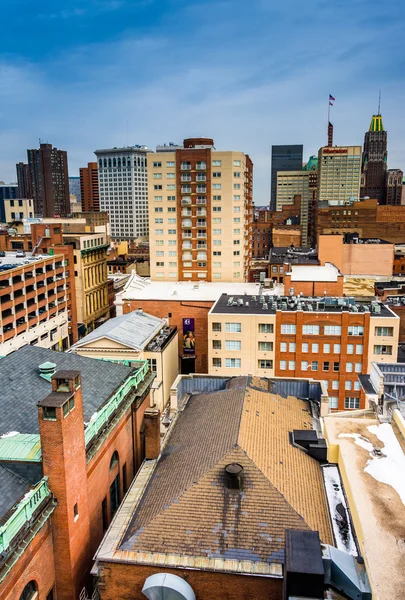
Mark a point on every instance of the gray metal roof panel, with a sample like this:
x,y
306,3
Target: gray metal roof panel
x,y
12,489
22,387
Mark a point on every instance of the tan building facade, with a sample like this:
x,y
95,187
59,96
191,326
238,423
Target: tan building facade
x,y
91,278
200,213
370,256
289,185
18,209
339,173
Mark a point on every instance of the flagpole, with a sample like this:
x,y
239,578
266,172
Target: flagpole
x,y
328,115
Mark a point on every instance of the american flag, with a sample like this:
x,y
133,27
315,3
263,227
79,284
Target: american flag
x,y
332,98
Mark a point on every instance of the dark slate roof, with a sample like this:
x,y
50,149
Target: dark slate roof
x,y
22,387
12,489
366,384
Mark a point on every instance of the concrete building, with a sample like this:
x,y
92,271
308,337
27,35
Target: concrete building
x,y
23,180
81,440
283,158
240,503
49,181
33,299
297,183
18,209
339,174
365,218
357,256
7,191
89,190
91,278
200,213
123,189
334,338
186,305
134,337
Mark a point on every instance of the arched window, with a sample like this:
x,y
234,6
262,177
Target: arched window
x,y
105,163
119,162
114,460
124,164
109,162
100,163
114,162
30,591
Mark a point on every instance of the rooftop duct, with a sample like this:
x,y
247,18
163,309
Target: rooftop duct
x,y
165,586
234,476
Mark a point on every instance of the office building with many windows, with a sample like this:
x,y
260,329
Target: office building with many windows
x,y
283,158
332,339
123,189
200,213
339,170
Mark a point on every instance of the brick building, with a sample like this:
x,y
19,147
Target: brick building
x,y
354,255
304,280
282,258
226,507
334,339
365,218
90,196
81,441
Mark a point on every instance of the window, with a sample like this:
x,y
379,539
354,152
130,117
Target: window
x,y
384,331
349,367
159,221
265,327
170,175
216,198
356,330
326,348
315,348
314,365
236,197
359,348
236,174
332,330
158,231
236,186
75,511
266,346
352,402
348,385
236,163
114,460
326,365
291,365
216,186
157,164
233,344
350,349
236,231
336,348
216,344
157,175
310,329
304,365
170,163
233,327
216,327
265,364
233,363
335,384
291,329
217,231
283,347
283,365
217,208
152,364
30,591
292,346
333,401
357,367
216,163
305,347
49,413
382,349
216,174
158,187
336,367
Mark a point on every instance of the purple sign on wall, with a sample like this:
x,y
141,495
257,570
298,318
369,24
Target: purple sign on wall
x,y
188,336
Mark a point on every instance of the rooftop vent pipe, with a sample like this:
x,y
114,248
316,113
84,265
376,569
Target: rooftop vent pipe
x,y
234,476
46,370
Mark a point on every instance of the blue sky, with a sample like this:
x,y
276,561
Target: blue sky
x,y
249,74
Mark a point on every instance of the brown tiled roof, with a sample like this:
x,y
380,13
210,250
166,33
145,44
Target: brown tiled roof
x,y
186,507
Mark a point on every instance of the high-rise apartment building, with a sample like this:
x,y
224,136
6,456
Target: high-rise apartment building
x,y
49,181
89,191
283,158
23,180
393,187
339,172
374,161
123,187
200,213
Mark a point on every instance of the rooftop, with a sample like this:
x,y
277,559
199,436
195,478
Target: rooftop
x,y
115,150
139,288
13,488
23,387
327,273
133,330
292,254
185,509
11,260
228,304
375,488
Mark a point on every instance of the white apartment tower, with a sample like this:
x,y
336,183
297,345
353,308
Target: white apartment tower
x,y
123,187
200,213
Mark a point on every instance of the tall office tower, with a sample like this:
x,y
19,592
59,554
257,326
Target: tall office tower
x,y
200,213
393,187
89,188
23,180
74,188
283,158
49,181
123,186
374,167
339,170
7,192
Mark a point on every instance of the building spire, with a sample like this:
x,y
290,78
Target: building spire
x,y
379,103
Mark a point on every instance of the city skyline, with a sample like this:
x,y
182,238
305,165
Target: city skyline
x,y
91,68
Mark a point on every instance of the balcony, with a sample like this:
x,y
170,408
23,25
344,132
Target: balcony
x,y
185,166
201,223
201,201
185,177
201,246
201,189
201,166
187,256
186,223
186,189
187,246
201,212
201,177
186,212
201,235
186,235
201,256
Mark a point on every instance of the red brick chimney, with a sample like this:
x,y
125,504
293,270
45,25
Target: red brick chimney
x,y
61,428
152,433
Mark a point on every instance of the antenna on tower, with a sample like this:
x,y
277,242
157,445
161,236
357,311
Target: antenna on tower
x,y
379,103
127,131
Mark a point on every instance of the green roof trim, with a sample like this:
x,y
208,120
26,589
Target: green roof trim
x,y
24,447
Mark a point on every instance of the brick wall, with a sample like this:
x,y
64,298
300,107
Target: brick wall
x,y
314,288
179,310
36,563
126,581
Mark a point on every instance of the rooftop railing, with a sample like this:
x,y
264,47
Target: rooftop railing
x,y
102,417
23,514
